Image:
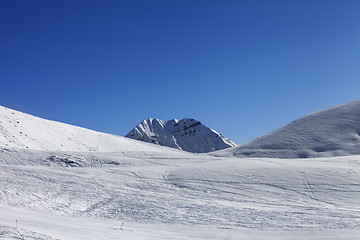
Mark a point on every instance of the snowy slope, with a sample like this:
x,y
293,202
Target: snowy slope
x,y
167,196
330,132
59,192
186,134
23,131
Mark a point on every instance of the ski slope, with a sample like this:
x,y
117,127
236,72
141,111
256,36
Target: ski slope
x,y
64,182
326,133
176,195
23,131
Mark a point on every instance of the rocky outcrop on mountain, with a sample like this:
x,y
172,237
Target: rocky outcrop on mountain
x,y
187,134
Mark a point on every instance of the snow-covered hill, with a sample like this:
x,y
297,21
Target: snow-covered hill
x,y
187,134
128,189
330,132
23,131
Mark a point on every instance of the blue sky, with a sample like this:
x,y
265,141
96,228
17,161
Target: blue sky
x,y
243,68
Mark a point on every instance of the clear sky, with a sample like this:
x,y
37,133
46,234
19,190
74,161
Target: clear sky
x,y
243,68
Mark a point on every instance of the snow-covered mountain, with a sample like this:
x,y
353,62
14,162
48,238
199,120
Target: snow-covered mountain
x,y
129,189
23,131
187,134
330,132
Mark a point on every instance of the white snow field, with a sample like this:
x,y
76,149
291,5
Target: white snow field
x,y
127,189
66,195
330,132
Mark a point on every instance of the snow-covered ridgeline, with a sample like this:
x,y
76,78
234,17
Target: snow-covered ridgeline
x,y
330,132
23,131
187,134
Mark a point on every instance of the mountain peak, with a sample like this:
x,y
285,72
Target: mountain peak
x,y
186,134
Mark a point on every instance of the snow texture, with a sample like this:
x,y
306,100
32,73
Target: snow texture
x,y
165,190
146,191
23,131
187,134
330,132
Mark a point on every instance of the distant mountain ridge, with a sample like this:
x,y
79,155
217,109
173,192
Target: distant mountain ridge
x,y
187,134
331,132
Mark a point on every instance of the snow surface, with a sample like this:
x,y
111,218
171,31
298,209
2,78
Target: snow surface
x,y
54,226
164,193
150,192
187,134
23,131
330,132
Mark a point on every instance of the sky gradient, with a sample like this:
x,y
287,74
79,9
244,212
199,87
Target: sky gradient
x,y
243,68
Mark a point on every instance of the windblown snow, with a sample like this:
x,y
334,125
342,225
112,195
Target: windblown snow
x,y
330,132
58,188
187,134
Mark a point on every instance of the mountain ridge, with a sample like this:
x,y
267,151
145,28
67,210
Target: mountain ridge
x,y
186,134
334,131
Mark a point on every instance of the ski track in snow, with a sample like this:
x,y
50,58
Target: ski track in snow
x,y
222,193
